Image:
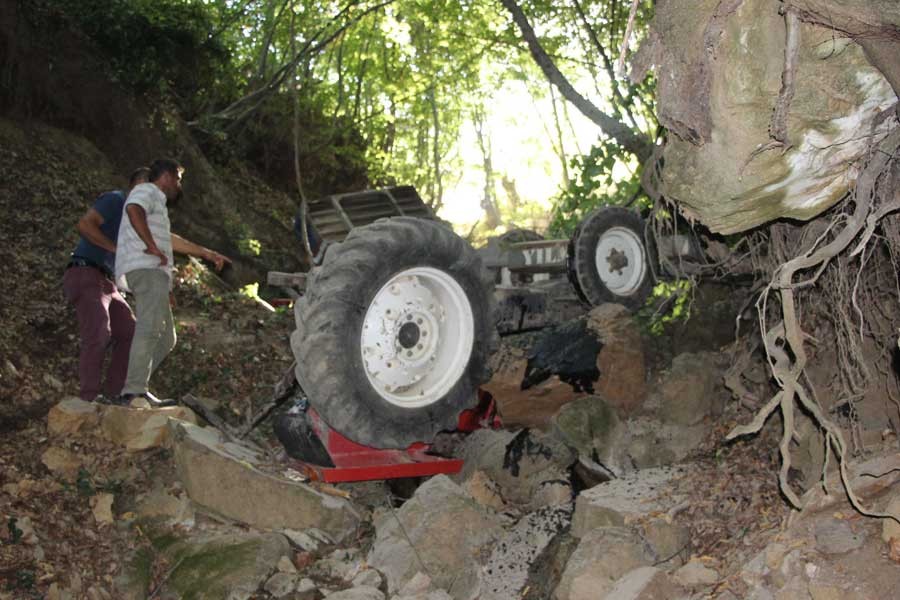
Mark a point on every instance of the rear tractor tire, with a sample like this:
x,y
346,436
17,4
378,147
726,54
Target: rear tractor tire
x,y
394,333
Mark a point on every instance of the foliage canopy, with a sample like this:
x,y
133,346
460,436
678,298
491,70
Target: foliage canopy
x,y
393,86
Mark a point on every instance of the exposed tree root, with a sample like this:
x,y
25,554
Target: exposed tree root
x,y
875,196
778,129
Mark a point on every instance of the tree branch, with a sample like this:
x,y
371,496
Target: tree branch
x,y
634,142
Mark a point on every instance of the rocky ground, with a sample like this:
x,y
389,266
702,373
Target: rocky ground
x,y
624,489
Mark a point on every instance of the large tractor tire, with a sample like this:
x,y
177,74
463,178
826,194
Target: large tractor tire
x,y
609,258
394,332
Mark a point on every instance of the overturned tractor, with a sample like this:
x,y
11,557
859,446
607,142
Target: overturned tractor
x,y
398,320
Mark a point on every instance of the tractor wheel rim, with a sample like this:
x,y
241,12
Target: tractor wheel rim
x,y
417,336
619,258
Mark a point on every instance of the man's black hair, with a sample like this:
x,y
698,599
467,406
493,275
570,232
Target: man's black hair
x,y
137,175
161,166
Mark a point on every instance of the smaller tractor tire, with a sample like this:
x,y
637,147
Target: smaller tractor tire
x,y
609,259
394,333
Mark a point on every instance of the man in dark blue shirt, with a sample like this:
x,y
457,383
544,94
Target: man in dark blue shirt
x,y
104,318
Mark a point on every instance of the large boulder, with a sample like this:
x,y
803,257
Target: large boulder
x,y
535,374
140,429
72,415
645,583
522,404
602,557
620,361
719,73
529,467
208,567
628,499
440,530
227,479
691,389
506,571
592,426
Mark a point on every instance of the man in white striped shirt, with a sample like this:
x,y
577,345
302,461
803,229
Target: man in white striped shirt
x,y
144,267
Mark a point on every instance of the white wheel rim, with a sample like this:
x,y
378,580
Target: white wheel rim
x,y
620,262
417,337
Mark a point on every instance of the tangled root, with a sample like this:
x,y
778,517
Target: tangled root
x,y
853,303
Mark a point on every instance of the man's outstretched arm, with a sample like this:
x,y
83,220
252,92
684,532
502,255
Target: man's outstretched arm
x,y
183,246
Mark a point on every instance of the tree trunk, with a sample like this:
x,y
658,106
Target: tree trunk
x,y
488,201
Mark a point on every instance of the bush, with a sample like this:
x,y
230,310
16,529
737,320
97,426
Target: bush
x,y
151,45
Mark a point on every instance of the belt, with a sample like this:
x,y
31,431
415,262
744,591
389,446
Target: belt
x,y
77,261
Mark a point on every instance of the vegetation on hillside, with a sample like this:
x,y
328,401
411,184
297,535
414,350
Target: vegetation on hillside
x,y
405,90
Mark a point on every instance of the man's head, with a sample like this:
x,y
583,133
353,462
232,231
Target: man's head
x,y
166,174
138,176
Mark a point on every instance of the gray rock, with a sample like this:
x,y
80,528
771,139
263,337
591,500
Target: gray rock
x,y
649,442
698,98
71,416
159,502
223,566
795,589
441,530
591,426
890,529
645,583
286,565
139,429
419,588
669,542
691,389
506,571
629,497
309,540
695,573
217,474
519,462
343,564
603,556
358,593
367,577
281,584
808,456
837,537
761,593
755,571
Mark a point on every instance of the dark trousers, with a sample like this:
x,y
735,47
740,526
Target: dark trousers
x,y
105,321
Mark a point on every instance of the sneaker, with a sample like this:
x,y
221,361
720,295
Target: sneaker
x,y
153,401
111,400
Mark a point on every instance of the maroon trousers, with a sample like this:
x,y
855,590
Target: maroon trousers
x,y
105,321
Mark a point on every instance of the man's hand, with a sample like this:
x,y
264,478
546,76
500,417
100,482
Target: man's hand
x,y
155,251
183,246
219,260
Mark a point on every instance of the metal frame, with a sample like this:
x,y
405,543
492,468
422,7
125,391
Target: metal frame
x,y
355,462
